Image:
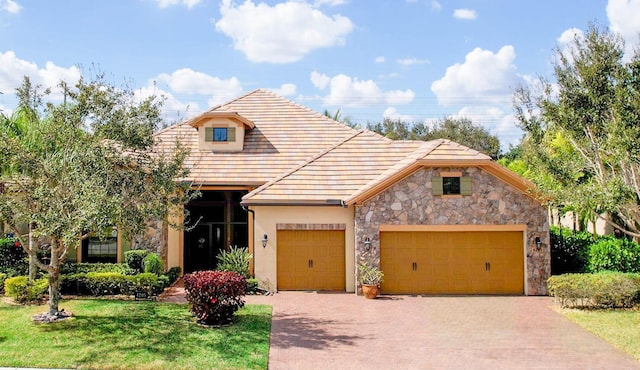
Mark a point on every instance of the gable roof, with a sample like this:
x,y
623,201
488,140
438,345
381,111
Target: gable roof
x,y
284,135
294,155
365,165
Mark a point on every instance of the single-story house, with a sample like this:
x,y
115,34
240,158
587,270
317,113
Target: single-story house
x,y
310,197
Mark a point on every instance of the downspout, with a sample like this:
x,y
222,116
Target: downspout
x,y
253,234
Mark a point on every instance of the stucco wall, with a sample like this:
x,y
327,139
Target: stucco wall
x,y
266,219
410,202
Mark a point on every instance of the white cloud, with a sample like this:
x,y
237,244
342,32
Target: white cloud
x,y
10,6
466,14
566,41
13,69
286,90
188,3
188,81
483,77
345,91
380,59
569,36
283,33
624,17
435,5
329,2
412,61
393,114
321,81
172,109
495,120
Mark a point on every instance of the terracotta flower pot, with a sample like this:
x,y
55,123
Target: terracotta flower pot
x,y
370,291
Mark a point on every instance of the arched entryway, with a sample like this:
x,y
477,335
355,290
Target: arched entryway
x,y
214,222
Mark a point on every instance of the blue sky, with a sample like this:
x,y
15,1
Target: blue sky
x,y
415,60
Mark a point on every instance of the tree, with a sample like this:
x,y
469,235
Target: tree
x,y
83,167
582,133
461,130
337,116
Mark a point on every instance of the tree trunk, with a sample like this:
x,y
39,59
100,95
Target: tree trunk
x,y
33,269
54,279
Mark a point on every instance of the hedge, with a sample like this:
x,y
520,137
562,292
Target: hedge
x,y
22,291
605,289
83,268
569,250
13,259
3,277
110,283
135,259
614,254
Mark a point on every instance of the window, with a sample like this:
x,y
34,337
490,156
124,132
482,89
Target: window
x,y
451,185
220,134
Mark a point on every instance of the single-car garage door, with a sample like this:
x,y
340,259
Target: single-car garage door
x,y
445,262
311,259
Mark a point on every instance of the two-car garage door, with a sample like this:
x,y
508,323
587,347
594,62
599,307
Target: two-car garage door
x,y
446,262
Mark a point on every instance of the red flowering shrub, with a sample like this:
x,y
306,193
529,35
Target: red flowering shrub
x,y
215,295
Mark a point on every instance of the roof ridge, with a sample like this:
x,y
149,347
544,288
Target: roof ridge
x,y
171,127
232,100
298,167
406,162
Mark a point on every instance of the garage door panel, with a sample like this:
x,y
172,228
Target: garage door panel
x,y
452,262
311,259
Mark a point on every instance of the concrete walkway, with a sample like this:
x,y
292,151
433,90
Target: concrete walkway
x,y
343,331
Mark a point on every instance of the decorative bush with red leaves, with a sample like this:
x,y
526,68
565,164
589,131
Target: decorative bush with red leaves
x,y
215,295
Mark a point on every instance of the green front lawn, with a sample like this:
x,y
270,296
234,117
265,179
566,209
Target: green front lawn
x,y
130,334
620,327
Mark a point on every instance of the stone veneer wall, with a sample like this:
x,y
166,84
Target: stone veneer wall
x,y
410,202
153,239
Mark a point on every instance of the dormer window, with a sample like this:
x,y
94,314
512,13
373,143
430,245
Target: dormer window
x,y
223,134
221,131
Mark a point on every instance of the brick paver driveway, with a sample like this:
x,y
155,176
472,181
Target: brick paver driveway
x,y
344,331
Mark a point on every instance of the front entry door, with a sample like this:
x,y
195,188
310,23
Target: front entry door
x,y
213,223
202,246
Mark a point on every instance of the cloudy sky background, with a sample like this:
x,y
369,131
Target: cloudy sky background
x,y
414,60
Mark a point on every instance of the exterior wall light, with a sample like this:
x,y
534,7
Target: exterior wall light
x,y
367,244
264,240
538,243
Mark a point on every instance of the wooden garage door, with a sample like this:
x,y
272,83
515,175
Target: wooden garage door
x,y
311,260
474,262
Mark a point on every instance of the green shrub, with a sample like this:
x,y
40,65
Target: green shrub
x,y
105,283
14,260
24,291
569,250
135,259
3,277
606,289
173,274
147,282
74,284
252,286
614,254
78,268
236,259
153,264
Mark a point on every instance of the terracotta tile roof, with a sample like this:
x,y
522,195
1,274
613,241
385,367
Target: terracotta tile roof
x,y
294,155
338,172
366,164
285,135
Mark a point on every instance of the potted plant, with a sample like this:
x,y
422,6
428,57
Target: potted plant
x,y
369,278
